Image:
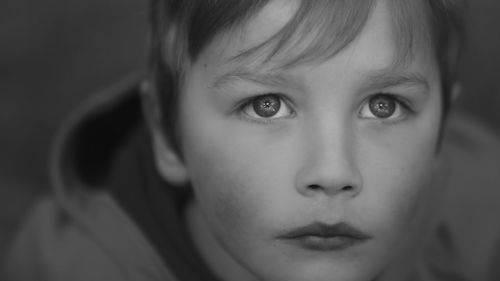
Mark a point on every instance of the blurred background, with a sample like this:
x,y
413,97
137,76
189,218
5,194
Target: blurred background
x,y
55,53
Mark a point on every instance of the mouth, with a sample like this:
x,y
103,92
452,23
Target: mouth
x,y
325,237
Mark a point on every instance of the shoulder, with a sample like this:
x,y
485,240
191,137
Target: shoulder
x,y
472,170
91,239
471,205
464,238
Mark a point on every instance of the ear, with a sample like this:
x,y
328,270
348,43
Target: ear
x,y
168,163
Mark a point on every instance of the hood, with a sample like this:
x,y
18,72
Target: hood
x,y
105,146
86,144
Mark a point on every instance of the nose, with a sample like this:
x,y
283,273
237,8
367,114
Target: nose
x,y
329,164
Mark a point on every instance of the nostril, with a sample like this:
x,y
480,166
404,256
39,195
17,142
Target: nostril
x,y
348,188
319,187
331,190
314,187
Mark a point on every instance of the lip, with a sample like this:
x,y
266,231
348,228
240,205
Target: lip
x,y
325,237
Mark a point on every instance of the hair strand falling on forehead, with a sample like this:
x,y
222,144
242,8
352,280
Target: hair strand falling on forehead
x,y
317,30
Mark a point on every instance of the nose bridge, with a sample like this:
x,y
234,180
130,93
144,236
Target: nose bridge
x,y
330,158
334,144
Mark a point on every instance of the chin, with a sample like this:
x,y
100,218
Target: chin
x,y
323,270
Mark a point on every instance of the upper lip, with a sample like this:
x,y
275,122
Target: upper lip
x,y
323,230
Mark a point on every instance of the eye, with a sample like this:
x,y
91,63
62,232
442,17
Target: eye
x,y
383,106
266,107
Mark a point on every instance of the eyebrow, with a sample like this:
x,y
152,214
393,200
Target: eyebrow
x,y
266,78
387,79
378,79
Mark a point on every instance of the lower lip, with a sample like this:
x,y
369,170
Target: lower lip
x,y
326,244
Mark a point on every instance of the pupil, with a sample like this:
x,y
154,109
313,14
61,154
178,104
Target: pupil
x,y
266,106
382,106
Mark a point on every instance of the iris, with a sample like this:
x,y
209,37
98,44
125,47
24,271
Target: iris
x,y
267,105
382,106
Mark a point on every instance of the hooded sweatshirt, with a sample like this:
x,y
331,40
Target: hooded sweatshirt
x,y
112,217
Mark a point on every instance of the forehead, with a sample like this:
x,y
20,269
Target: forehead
x,y
287,33
371,56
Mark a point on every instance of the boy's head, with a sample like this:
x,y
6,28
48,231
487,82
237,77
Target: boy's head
x,y
306,129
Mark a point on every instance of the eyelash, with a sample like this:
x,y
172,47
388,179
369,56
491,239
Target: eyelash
x,y
400,103
403,104
248,103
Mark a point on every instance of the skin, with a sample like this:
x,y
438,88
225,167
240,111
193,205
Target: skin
x,y
325,158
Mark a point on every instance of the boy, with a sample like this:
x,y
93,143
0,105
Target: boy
x,y
288,140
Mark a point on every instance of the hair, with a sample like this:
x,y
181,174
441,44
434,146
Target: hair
x,y
182,29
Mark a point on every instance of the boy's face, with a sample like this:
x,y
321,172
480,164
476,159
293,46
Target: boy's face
x,y
278,158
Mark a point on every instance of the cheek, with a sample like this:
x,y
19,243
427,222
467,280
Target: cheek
x,y
398,178
227,186
236,170
218,190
